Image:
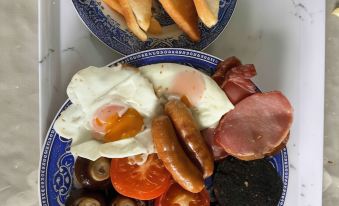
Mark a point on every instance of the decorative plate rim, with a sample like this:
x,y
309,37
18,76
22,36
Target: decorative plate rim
x,y
51,134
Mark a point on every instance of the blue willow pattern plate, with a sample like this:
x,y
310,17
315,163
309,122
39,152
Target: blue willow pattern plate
x,y
57,163
111,29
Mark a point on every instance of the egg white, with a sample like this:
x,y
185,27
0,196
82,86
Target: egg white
x,y
72,125
93,88
143,90
211,107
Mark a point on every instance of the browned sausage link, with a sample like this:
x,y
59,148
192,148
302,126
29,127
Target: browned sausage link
x,y
190,135
184,172
223,67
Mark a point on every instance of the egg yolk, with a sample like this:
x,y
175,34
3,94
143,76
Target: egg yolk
x,y
114,127
189,85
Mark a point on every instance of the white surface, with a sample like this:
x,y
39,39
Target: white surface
x,y
284,39
65,46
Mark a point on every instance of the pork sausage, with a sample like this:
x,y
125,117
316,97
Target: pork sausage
x,y
184,172
190,136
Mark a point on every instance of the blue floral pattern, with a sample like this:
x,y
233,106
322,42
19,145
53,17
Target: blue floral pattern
x,y
110,32
62,180
57,163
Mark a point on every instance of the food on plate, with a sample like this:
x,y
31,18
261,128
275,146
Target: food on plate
x,y
252,132
176,195
189,134
208,11
169,150
155,27
102,97
336,11
131,19
235,79
239,182
101,100
84,197
126,201
139,179
93,174
223,67
142,10
154,133
208,101
184,14
139,18
281,146
217,150
115,5
237,84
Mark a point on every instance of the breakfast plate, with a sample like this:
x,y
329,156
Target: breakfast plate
x,y
109,27
57,162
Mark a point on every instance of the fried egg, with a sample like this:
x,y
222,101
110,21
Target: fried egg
x,y
113,107
206,99
111,113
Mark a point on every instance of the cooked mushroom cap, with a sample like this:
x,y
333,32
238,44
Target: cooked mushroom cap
x,y
99,169
83,197
126,201
93,174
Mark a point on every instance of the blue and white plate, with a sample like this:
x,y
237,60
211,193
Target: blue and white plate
x,y
57,163
111,29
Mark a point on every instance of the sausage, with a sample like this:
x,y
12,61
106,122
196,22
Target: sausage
x,y
223,67
190,136
184,172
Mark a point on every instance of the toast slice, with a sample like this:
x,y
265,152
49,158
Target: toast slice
x,y
184,14
114,4
155,27
208,11
142,10
131,20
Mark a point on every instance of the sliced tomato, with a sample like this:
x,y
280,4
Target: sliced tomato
x,y
177,196
144,182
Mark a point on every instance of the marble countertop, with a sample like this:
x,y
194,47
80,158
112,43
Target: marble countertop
x,y
331,143
19,145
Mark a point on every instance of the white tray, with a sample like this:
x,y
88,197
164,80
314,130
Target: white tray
x,y
284,39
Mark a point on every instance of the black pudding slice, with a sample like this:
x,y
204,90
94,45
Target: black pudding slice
x,y
247,183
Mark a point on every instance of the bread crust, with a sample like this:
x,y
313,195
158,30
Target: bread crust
x,y
115,5
205,14
155,27
142,10
131,20
184,14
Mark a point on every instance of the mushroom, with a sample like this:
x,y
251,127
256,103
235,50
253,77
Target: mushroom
x,y
85,198
126,201
93,174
